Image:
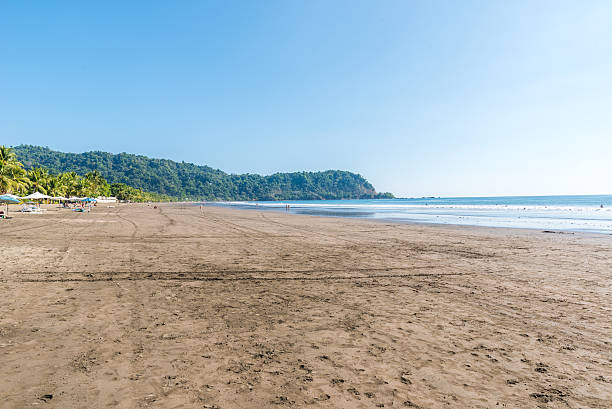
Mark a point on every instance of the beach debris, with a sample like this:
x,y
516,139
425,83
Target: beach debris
x,y
282,400
305,368
46,397
150,398
549,395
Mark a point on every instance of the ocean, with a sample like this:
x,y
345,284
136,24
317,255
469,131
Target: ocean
x,y
589,213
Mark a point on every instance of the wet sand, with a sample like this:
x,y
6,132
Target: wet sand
x,y
174,307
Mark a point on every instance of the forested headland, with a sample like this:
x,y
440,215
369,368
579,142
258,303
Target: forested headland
x,y
187,181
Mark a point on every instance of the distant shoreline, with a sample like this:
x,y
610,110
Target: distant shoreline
x,y
578,214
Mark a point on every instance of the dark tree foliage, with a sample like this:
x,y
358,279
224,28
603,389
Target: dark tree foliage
x,y
188,181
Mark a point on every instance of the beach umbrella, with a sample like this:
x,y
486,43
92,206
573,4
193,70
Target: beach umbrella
x,y
8,199
11,196
37,195
89,199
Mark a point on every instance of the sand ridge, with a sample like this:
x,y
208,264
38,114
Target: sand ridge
x,y
134,306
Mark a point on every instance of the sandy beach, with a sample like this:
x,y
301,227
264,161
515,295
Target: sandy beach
x,y
133,306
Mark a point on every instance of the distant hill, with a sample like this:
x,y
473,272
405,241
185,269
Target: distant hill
x,y
188,181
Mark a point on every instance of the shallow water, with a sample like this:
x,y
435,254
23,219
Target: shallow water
x,y
590,213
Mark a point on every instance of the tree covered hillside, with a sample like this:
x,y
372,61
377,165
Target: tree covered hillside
x,y
15,179
189,181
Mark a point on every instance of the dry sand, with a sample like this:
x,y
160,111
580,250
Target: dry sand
x,y
137,307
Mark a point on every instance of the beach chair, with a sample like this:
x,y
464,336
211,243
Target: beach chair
x,y
31,208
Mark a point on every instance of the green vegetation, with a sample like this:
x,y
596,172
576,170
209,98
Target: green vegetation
x,y
188,181
124,192
14,178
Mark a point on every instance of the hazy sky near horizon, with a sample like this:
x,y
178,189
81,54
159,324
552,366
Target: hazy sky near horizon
x,y
450,98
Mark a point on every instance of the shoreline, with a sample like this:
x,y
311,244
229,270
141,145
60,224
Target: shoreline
x,y
453,226
416,222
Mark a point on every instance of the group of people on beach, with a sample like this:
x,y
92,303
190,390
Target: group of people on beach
x,y
67,205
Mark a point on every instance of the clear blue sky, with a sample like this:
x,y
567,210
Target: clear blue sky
x,y
451,98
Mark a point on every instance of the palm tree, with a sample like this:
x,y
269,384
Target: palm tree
x,y
14,178
7,155
20,180
83,187
54,186
38,179
6,180
98,185
69,182
12,175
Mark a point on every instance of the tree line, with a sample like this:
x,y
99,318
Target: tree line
x,y
16,179
187,181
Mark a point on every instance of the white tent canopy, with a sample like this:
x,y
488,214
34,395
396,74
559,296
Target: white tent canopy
x,y
37,195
